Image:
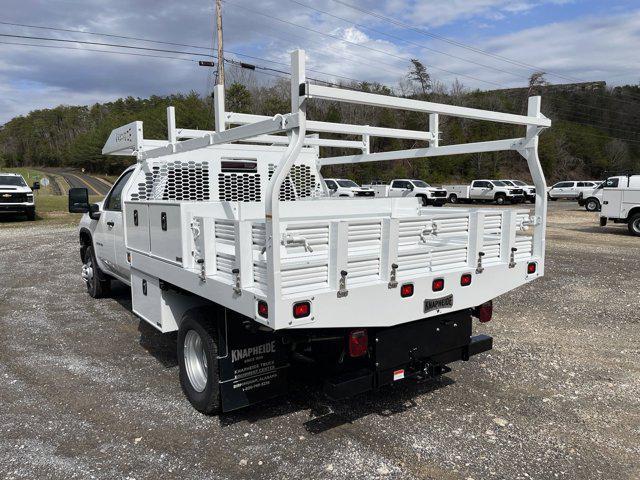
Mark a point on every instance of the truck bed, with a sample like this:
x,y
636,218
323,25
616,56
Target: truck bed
x,y
364,239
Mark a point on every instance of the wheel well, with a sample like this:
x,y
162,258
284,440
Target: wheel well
x,y
85,242
500,194
633,211
592,198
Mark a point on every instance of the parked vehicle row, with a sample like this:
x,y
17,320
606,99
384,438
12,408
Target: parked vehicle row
x,y
570,190
487,191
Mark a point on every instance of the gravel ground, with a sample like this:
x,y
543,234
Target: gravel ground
x,y
88,391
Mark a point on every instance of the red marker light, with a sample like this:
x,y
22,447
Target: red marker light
x,y
484,312
465,280
532,268
358,343
438,285
301,310
406,290
263,309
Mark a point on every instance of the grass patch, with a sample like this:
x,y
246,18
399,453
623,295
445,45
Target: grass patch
x,y
50,209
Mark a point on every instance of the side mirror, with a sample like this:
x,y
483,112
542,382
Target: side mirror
x,y
35,186
490,187
79,200
410,187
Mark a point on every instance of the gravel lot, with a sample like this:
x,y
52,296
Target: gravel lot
x,y
88,391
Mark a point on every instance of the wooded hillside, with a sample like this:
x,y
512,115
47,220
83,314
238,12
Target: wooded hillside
x,y
595,130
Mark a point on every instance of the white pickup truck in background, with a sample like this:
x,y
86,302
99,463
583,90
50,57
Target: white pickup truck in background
x,y
529,190
485,191
16,196
343,187
570,190
621,202
404,187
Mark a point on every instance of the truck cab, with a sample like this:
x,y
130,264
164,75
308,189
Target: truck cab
x,y
418,188
495,190
529,190
16,196
343,187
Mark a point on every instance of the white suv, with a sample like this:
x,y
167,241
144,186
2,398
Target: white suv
x,y
16,196
570,190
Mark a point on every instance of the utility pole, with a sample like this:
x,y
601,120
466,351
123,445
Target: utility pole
x,y
218,91
220,49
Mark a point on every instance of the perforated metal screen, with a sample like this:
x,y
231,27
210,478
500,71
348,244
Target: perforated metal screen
x,y
175,181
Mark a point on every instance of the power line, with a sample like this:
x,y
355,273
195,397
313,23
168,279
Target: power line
x,y
336,37
409,42
460,44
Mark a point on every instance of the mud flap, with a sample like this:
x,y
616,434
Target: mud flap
x,y
253,364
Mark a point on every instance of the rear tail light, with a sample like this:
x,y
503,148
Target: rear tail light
x,y
301,310
465,280
406,290
438,285
358,343
484,312
263,309
532,268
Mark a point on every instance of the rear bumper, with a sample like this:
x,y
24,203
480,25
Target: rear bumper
x,y
419,349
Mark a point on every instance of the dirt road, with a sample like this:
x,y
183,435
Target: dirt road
x,y
75,178
89,391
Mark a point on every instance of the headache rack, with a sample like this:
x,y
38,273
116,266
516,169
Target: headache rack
x,y
241,216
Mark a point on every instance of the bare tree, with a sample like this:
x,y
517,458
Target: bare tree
x,y
418,73
536,80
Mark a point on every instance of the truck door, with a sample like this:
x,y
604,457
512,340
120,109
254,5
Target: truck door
x,y
480,190
611,203
399,188
332,186
115,252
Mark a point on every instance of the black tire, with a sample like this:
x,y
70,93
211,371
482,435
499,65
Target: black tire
x,y
98,285
500,199
634,224
423,198
31,214
592,205
453,198
201,321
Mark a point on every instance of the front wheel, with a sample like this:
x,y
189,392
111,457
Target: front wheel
x,y
634,225
501,200
31,214
198,360
592,205
97,286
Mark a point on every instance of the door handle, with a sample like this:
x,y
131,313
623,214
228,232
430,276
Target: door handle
x,y
110,224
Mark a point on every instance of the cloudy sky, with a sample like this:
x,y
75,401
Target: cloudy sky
x,y
486,44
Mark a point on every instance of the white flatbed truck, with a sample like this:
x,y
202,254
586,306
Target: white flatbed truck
x,y
228,238
493,191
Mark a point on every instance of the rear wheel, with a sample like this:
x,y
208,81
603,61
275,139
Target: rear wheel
x,y
592,205
453,198
634,224
198,359
97,285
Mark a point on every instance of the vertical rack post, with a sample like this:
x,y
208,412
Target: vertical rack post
x,y
171,125
434,129
218,105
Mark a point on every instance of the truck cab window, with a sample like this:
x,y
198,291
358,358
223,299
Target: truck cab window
x,y
114,201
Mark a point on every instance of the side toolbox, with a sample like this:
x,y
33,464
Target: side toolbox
x,y
137,220
158,303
